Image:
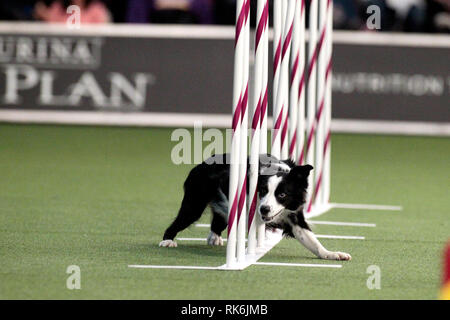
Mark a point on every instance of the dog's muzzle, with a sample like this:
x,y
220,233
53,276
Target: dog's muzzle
x,y
264,211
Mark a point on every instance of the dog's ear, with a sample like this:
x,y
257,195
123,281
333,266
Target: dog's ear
x,y
307,168
301,171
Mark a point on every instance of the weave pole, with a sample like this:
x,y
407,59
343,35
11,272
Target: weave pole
x,y
324,87
328,103
282,100
297,73
321,92
285,92
300,137
311,89
242,204
261,227
277,43
294,83
259,113
265,81
238,94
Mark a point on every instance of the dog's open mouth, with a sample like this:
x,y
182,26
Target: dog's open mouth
x,y
269,219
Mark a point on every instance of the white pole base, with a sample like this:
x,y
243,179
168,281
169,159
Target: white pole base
x,y
271,240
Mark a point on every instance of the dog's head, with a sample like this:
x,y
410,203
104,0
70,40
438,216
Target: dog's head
x,y
284,190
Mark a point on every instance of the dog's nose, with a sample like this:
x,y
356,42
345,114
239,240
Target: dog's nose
x,y
264,210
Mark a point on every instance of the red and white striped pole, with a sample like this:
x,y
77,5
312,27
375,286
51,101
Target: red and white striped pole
x,y
283,85
300,138
277,44
285,105
328,103
311,89
259,111
261,227
324,86
238,97
321,92
297,66
265,86
242,204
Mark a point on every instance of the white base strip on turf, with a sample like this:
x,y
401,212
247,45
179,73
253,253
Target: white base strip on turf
x,y
330,236
138,266
317,211
345,224
361,206
271,240
196,239
282,264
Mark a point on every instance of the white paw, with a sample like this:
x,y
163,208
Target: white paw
x,y
337,256
168,244
214,239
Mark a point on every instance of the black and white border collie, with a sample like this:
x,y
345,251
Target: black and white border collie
x,y
282,188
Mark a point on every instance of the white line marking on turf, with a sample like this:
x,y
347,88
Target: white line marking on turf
x,y
171,267
194,239
366,206
328,236
338,223
203,225
281,264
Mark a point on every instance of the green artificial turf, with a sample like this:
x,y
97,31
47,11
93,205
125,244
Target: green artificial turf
x,y
101,198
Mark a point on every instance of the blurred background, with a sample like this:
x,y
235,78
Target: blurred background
x,y
164,58
430,16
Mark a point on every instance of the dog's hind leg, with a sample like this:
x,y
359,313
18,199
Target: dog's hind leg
x,y
218,224
190,211
219,208
198,192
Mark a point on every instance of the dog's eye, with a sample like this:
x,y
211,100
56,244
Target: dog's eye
x,y
282,195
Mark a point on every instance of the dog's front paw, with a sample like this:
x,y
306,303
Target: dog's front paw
x,y
168,244
336,256
214,239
